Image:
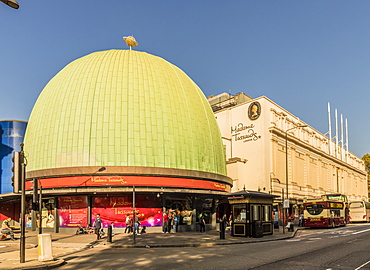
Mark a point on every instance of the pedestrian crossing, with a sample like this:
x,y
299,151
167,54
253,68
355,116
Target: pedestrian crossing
x,y
310,235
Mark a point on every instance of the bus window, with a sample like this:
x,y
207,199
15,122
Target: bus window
x,y
337,197
356,205
335,213
315,209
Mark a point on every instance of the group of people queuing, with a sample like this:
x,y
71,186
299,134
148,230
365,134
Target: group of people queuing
x,y
132,226
171,220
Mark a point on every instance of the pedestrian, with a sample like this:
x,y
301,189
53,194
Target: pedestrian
x,y
128,222
176,221
112,226
290,225
170,220
98,224
202,223
230,221
165,223
6,230
301,220
223,224
137,225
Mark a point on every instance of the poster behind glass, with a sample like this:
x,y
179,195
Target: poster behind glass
x,y
72,211
47,214
115,209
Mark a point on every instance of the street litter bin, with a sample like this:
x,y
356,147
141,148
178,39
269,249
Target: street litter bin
x,y
45,250
257,229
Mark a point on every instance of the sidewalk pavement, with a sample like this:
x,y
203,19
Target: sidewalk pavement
x,y
65,244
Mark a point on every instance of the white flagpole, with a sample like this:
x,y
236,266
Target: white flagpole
x,y
341,137
336,133
329,126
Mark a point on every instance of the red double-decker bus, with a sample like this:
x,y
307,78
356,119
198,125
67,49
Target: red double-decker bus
x,y
331,210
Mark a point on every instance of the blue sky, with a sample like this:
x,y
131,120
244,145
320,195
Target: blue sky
x,y
300,54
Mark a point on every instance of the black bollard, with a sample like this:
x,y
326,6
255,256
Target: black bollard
x,y
109,236
222,230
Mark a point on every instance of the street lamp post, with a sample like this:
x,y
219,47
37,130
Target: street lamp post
x,y
23,207
134,214
286,165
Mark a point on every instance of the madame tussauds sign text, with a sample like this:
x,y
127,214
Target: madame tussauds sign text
x,y
244,133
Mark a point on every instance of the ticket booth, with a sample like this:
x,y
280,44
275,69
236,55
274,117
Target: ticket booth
x,y
251,214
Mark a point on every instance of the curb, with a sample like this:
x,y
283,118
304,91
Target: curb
x,y
41,266
17,244
58,262
193,245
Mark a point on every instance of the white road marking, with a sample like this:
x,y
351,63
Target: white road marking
x,y
362,265
361,231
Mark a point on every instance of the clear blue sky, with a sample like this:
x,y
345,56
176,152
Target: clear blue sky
x,y
300,54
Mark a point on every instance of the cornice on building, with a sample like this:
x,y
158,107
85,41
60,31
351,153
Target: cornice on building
x,y
127,170
319,152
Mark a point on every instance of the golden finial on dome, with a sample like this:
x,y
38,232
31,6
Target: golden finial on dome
x,y
130,41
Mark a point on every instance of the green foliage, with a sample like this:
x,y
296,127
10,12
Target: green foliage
x,y
366,158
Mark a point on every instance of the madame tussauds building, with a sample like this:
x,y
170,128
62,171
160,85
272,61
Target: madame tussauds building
x,y
121,126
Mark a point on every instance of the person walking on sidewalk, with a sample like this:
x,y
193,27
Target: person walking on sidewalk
x,y
137,225
165,223
128,222
170,220
301,220
176,221
98,224
202,223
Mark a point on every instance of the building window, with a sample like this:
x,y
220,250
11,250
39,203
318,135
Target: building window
x,y
299,155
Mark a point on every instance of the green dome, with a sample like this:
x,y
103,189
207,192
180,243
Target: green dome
x,y
123,108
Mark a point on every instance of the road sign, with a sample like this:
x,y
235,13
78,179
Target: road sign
x,y
286,204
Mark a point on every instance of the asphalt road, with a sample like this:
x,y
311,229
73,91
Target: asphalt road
x,y
340,248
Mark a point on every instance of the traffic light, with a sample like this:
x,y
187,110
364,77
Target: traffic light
x,y
35,197
17,171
